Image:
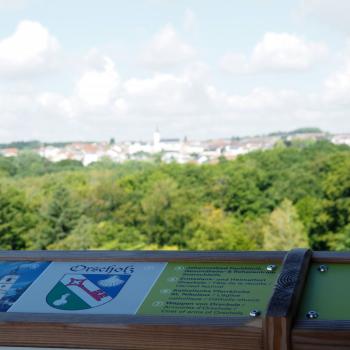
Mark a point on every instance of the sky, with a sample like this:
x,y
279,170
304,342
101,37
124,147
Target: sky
x,y
93,70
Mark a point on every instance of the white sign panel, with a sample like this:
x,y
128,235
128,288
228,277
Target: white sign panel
x,y
90,288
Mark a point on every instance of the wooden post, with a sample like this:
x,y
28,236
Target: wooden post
x,y
285,300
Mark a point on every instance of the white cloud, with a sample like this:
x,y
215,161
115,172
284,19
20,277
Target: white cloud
x,y
97,87
283,51
337,86
162,94
236,63
170,96
190,21
49,102
21,117
274,53
104,105
336,13
187,105
121,106
94,100
30,49
12,4
262,99
168,49
183,104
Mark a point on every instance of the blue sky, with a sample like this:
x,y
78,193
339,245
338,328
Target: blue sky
x,y
91,70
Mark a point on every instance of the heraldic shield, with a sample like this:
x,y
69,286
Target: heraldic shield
x,y
85,291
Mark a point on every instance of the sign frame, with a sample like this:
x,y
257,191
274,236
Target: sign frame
x,y
323,334
278,329
133,332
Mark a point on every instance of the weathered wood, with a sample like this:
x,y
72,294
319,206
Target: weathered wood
x,y
321,335
54,318
141,256
141,337
285,299
138,334
331,257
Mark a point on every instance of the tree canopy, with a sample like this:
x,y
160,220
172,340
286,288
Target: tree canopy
x,y
297,194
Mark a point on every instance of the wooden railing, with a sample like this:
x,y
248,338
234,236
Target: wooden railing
x,y
292,315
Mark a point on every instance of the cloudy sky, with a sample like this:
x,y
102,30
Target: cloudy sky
x,y
91,70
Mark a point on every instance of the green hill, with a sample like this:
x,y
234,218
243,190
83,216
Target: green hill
x,y
277,199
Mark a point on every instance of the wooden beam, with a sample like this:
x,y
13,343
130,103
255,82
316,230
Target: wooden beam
x,y
285,300
143,256
129,333
321,335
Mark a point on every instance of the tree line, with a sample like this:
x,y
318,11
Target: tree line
x,y
294,195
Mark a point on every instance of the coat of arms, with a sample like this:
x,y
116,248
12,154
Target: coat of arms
x,y
85,291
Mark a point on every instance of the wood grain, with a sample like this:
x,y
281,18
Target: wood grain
x,y
285,300
156,256
331,257
45,318
125,336
321,339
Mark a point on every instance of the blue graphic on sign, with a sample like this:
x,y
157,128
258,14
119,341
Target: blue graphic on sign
x,y
15,278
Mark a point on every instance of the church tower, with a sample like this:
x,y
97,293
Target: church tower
x,y
156,137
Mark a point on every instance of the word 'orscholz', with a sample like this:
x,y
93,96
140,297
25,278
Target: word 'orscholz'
x,y
105,269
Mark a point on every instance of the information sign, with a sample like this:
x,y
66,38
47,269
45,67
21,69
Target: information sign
x,y
15,278
90,288
326,294
136,288
210,290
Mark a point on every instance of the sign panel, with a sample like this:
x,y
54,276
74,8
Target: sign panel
x,y
212,289
91,288
136,288
326,293
15,278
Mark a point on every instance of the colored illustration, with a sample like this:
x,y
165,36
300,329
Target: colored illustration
x,y
15,278
105,288
85,291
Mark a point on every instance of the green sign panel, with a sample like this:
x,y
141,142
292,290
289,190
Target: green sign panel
x,y
327,293
210,289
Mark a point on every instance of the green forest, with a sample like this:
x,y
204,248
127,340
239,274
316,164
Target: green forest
x,y
295,195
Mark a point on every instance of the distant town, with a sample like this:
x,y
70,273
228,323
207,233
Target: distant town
x,y
167,150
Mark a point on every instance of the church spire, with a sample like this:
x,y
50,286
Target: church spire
x,y
156,137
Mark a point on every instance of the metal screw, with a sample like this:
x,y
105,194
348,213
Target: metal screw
x,y
323,268
311,315
271,268
254,313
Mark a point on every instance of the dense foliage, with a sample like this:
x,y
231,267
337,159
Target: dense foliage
x,y
289,196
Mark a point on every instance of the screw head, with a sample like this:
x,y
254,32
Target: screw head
x,y
254,313
311,315
323,268
271,268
